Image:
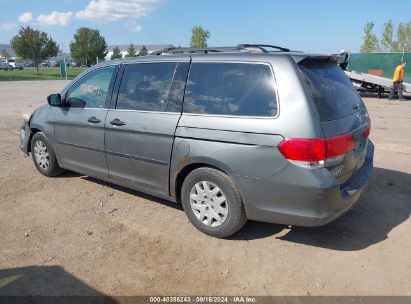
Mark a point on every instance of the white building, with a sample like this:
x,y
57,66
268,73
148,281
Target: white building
x,y
124,48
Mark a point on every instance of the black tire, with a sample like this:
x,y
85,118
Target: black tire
x,y
53,168
236,217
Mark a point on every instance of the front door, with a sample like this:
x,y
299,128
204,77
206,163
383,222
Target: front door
x,y
140,129
79,127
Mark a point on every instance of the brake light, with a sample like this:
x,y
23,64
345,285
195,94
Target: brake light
x,y
313,152
339,145
301,149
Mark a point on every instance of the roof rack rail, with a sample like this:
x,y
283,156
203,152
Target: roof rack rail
x,y
241,47
262,47
163,51
180,50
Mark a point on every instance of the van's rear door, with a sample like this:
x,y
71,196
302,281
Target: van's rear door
x,y
340,109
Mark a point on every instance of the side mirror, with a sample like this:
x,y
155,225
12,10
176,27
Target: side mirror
x,y
55,100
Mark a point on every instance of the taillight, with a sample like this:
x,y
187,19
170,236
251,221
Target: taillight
x,y
339,145
301,149
314,152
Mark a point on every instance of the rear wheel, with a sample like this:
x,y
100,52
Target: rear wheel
x,y
43,156
213,203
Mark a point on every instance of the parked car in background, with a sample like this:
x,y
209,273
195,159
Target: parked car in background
x,y
12,62
19,66
70,64
6,66
27,64
215,130
53,63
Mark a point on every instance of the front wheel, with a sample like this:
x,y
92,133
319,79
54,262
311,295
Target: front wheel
x,y
212,202
43,156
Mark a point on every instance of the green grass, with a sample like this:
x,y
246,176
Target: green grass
x,y
44,74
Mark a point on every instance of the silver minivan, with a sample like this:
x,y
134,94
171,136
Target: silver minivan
x,y
250,132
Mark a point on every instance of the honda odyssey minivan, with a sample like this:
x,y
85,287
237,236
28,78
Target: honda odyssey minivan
x,y
250,132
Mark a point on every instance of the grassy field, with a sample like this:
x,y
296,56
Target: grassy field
x,y
44,74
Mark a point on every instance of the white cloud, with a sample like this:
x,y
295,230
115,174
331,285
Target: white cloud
x,y
99,11
56,18
8,26
111,10
136,28
26,17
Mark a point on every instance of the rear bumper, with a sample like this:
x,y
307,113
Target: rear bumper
x,y
304,198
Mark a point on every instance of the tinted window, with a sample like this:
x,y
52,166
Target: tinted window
x,y
333,92
231,89
145,86
92,89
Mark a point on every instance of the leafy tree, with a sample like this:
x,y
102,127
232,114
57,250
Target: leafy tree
x,y
131,52
387,36
143,51
370,40
116,53
34,45
88,45
199,37
403,43
4,53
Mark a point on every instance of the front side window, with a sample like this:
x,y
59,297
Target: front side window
x,y
146,86
92,89
235,89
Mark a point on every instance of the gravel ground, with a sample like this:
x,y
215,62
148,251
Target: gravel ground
x,y
75,235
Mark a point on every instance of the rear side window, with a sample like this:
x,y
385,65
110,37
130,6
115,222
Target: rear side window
x,y
145,86
241,89
333,92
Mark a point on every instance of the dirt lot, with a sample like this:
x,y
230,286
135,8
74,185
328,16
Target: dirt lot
x,y
75,235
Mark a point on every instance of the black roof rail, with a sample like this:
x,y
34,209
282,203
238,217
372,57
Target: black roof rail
x,y
262,47
241,47
160,52
203,50
180,50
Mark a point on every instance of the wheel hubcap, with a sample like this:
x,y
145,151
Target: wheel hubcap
x,y
208,204
41,154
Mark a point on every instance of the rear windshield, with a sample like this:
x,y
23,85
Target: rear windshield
x,y
333,92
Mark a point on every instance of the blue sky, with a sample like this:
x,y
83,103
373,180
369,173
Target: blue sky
x,y
315,26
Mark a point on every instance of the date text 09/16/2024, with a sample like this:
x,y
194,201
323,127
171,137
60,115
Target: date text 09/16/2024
x,y
203,299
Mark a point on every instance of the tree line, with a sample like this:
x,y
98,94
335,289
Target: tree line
x,y
87,47
388,42
199,38
131,52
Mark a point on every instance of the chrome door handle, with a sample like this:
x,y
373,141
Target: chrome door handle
x,y
93,120
117,122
